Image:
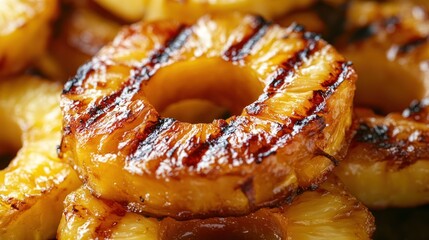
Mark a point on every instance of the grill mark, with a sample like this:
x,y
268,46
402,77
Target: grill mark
x,y
399,152
272,144
418,111
370,30
242,49
412,45
298,123
142,73
149,137
77,80
286,72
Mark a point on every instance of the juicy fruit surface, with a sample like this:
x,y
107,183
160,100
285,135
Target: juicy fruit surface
x,y
24,32
392,154
261,155
191,10
35,183
326,213
388,43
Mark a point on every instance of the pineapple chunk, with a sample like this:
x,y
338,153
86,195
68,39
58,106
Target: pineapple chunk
x,y
36,182
388,161
24,32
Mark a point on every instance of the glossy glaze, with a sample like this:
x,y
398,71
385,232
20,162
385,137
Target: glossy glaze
x,y
299,91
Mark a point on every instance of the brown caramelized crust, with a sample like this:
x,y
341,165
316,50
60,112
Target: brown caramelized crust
x,y
326,213
392,154
287,139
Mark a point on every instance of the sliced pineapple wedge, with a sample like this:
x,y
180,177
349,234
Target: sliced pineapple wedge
x,y
326,213
388,161
36,182
24,32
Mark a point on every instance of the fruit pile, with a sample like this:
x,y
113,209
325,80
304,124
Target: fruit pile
x,y
211,119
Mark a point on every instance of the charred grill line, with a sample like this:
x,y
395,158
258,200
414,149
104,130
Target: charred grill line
x,y
412,45
133,84
298,123
76,81
289,67
144,147
370,30
242,49
285,73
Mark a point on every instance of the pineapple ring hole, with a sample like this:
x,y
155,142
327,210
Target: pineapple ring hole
x,y
260,225
10,139
202,90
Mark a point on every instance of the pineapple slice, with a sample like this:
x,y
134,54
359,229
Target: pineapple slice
x,y
290,94
388,162
36,182
191,10
81,33
24,32
326,213
388,42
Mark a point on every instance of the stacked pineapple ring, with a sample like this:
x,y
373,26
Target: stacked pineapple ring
x,y
389,151
138,147
75,204
290,123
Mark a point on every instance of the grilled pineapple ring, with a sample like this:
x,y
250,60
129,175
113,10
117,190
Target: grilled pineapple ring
x,y
326,213
300,92
395,36
391,153
24,32
36,182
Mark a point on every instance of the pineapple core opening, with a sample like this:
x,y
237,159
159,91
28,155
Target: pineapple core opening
x,y
202,90
10,139
258,226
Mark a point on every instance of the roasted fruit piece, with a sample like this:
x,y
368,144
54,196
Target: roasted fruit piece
x,y
34,185
290,94
388,43
326,213
24,32
388,161
81,33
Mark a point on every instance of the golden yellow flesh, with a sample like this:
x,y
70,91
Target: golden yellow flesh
x,y
326,213
81,34
36,182
389,47
132,10
191,10
24,31
388,161
172,178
